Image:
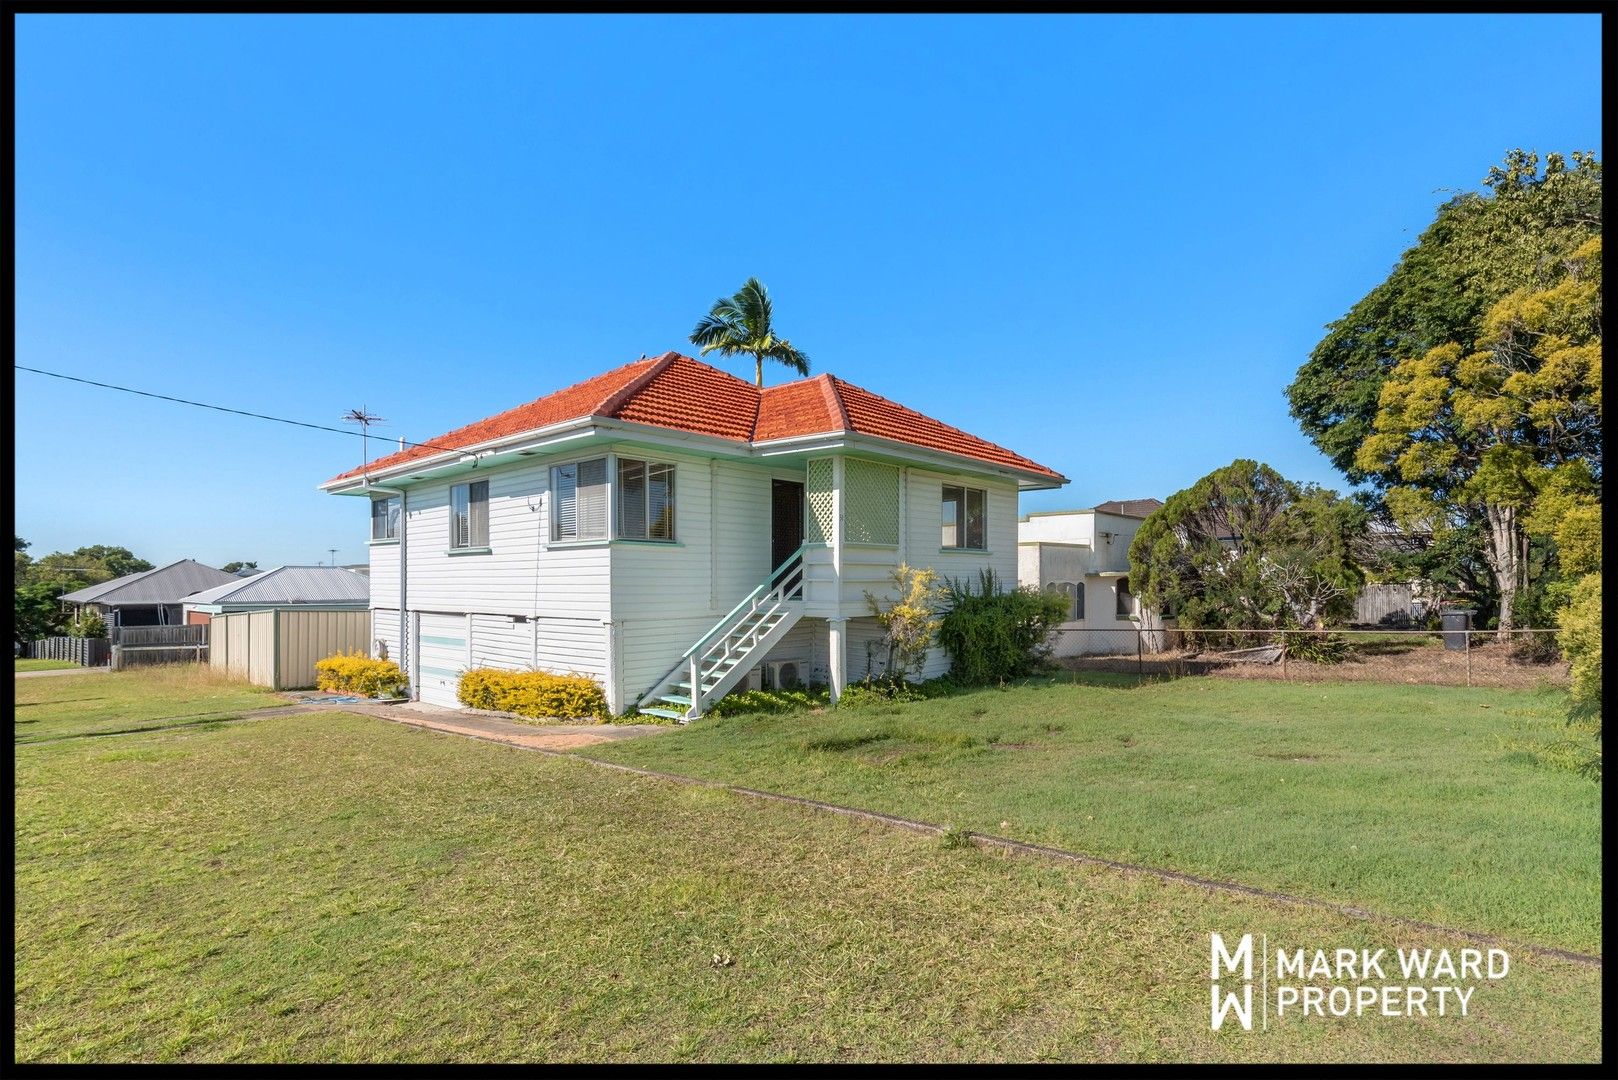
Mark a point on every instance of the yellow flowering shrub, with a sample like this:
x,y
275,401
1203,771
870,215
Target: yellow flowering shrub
x,y
356,673
536,694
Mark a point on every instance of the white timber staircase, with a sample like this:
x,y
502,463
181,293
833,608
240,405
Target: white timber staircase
x,y
723,656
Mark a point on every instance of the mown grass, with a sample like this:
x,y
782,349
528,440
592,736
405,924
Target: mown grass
x,y
43,665
118,701
1405,800
331,887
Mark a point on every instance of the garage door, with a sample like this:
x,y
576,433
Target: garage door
x,y
442,650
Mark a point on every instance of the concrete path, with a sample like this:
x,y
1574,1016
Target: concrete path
x,y
63,671
487,726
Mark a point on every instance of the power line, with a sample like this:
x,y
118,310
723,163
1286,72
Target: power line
x,y
222,408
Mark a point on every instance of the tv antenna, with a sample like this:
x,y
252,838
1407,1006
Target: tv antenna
x,y
364,420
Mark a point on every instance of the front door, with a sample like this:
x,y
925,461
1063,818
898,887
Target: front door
x,y
786,520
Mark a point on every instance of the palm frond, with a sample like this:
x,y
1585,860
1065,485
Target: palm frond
x,y
783,353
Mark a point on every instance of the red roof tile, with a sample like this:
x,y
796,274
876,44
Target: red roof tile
x,y
683,394
692,396
796,408
873,414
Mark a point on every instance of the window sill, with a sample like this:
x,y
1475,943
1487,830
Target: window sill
x,y
575,544
385,543
964,551
467,551
648,543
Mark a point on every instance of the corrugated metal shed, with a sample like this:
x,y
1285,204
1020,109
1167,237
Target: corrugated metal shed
x,y
165,585
283,585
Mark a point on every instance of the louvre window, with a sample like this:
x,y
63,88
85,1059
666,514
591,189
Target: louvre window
x,y
579,500
645,500
469,515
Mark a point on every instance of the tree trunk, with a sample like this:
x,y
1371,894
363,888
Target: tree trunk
x,y
1505,552
758,370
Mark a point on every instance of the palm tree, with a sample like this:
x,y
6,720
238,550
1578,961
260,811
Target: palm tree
x,y
741,324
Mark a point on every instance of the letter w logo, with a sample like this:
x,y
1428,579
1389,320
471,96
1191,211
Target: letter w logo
x,y
1240,1003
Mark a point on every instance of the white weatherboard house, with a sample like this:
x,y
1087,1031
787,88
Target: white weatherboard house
x,y
669,530
1084,555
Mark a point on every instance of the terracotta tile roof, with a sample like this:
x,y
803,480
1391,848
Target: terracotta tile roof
x,y
873,414
692,396
677,392
797,408
580,399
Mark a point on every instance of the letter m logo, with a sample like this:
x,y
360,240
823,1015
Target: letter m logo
x,y
1222,960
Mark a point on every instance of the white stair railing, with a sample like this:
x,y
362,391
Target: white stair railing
x,y
718,659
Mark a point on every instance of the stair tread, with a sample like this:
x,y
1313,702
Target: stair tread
x,y
669,713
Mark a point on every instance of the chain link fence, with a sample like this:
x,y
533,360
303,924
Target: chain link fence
x,y
1522,659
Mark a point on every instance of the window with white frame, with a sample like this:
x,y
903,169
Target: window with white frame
x,y
579,500
645,500
469,515
964,514
385,518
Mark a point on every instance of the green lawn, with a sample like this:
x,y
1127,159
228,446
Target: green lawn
x,y
1399,799
118,701
331,887
44,665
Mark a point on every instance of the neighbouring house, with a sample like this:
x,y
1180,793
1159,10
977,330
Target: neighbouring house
x,y
1084,555
673,531
149,598
309,588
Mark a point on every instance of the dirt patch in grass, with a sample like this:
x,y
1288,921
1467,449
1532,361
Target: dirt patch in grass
x,y
1417,662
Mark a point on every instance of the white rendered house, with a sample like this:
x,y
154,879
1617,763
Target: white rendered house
x,y
673,531
1084,555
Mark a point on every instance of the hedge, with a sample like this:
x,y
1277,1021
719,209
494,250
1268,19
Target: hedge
x,y
356,673
536,694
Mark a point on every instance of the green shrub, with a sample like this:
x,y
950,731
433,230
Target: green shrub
x,y
356,673
993,634
770,701
1317,648
88,624
535,694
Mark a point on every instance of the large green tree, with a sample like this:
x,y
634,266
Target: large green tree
x,y
1244,548
70,570
745,324
1484,435
1517,236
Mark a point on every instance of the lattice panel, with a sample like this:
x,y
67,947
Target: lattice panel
x,y
870,502
818,492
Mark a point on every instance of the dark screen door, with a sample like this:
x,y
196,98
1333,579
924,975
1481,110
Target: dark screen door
x,y
786,520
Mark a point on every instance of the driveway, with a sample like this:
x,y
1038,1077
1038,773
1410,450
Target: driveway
x,y
498,729
63,671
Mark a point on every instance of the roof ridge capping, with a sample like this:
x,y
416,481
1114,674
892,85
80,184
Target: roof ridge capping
x,y
834,400
621,397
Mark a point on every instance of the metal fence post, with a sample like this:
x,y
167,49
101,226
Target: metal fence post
x,y
1284,654
1468,651
1140,653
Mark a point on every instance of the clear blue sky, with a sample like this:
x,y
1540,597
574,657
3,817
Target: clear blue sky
x,y
1105,241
